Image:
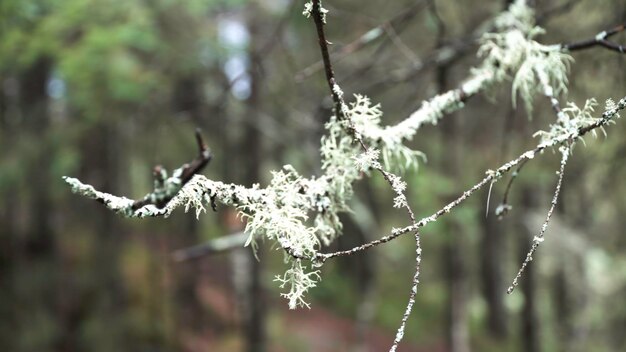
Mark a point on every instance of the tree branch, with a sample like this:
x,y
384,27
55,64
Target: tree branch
x,y
166,189
599,40
537,240
280,211
214,246
364,39
397,185
607,117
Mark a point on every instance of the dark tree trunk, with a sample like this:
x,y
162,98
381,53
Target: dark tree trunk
x,y
361,270
36,269
10,202
456,261
254,300
493,283
530,327
188,103
34,106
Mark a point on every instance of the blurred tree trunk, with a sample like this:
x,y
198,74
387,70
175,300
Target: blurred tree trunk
x,y
361,270
188,102
36,268
455,250
531,325
34,105
531,328
10,204
103,301
365,222
493,284
254,300
563,303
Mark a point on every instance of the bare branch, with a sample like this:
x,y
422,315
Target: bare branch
x,y
537,240
409,306
365,39
328,67
214,246
504,206
163,191
165,188
599,40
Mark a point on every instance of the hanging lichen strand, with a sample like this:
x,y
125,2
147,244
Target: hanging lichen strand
x,y
300,214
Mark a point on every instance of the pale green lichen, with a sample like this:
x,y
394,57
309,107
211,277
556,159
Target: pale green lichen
x,y
570,121
508,53
515,52
120,205
299,280
301,214
519,15
308,10
573,119
368,160
366,119
281,215
611,105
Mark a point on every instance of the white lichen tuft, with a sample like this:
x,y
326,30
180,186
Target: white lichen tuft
x,y
519,15
281,215
429,113
365,161
366,119
337,90
399,201
570,121
308,10
611,105
193,196
298,281
120,205
397,184
514,52
509,53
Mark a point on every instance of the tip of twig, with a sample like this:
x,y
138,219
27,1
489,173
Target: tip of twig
x,y
488,199
201,144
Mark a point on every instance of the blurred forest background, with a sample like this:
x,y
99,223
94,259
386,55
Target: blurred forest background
x,y
104,90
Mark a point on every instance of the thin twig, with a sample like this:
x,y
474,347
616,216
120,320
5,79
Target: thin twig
x,y
394,181
446,209
328,67
409,306
217,245
364,39
340,105
599,40
537,240
491,175
187,171
504,206
548,92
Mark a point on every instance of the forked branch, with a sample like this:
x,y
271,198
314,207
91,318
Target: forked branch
x,y
601,40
